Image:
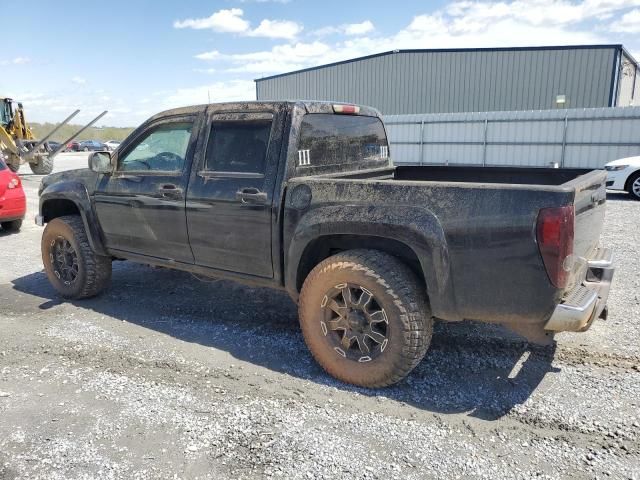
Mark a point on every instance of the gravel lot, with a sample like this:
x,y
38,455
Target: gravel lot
x,y
166,376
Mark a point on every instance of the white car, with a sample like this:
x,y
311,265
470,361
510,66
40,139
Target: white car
x,y
624,174
112,144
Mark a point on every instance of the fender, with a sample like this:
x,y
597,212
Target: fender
x,y
416,227
76,192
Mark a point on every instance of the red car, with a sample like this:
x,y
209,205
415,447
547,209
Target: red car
x,y
13,203
73,147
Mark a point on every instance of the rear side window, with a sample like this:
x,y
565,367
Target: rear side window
x,y
341,142
238,146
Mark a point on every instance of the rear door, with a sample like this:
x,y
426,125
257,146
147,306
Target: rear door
x,y
141,205
229,206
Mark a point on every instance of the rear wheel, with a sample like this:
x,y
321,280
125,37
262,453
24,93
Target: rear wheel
x,y
72,267
12,226
634,185
365,317
44,166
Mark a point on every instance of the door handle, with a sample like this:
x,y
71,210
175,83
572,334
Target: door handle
x,y
170,190
251,195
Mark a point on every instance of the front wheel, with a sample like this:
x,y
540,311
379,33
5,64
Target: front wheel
x,y
634,186
72,267
365,317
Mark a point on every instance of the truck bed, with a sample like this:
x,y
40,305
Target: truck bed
x,y
485,219
503,175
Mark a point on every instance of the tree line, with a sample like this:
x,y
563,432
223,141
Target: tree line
x,y
92,133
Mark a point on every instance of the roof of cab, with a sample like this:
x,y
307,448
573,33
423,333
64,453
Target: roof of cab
x,y
311,106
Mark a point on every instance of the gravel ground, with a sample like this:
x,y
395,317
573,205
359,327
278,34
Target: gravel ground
x,y
164,376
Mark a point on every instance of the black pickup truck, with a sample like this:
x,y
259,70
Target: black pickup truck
x,y
303,196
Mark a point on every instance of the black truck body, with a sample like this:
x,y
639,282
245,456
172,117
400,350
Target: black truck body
x,y
516,246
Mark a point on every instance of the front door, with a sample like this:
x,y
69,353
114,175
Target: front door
x,y
141,205
229,202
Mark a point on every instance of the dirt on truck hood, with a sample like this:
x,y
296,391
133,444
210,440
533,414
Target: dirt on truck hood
x,y
81,175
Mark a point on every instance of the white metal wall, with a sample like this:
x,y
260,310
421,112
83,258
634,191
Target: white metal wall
x,y
582,138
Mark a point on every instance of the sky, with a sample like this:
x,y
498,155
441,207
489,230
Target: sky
x,y
138,57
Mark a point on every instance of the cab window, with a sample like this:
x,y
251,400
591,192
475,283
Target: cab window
x,y
162,149
238,146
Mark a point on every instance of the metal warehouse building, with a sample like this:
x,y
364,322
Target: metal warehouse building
x,y
469,80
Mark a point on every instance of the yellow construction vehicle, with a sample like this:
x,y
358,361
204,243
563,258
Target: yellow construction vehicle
x,y
18,144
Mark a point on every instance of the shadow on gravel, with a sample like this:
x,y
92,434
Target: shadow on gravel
x,y
479,369
6,233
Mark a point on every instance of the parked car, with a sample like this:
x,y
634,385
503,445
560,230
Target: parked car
x,y
294,196
624,174
112,144
73,146
52,146
13,203
92,146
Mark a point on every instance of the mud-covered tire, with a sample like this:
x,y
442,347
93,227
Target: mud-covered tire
x,y
12,226
44,166
402,297
633,186
93,271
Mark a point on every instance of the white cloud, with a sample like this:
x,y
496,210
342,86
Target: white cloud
x,y
229,21
209,71
232,21
212,55
233,90
16,61
79,80
629,23
54,105
265,1
295,56
359,28
277,29
461,24
346,29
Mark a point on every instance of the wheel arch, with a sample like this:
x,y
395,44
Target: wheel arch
x,y
325,246
72,198
412,234
632,175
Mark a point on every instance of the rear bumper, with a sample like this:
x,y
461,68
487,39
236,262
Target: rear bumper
x,y
13,206
587,301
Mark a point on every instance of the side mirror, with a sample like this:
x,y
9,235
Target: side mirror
x,y
100,162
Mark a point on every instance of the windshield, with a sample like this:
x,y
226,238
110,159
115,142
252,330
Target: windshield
x,y
336,143
5,114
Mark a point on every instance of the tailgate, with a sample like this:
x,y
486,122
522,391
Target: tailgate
x,y
589,203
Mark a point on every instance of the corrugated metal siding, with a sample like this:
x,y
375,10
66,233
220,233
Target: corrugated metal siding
x,y
628,93
450,81
584,138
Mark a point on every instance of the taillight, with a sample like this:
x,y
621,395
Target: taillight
x,y
554,232
346,109
14,182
